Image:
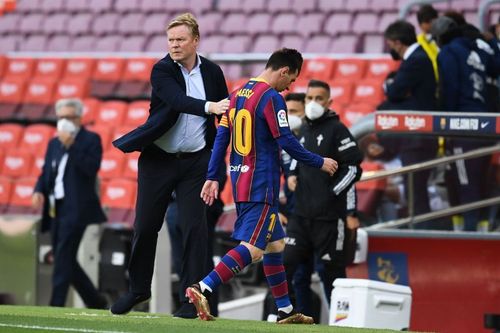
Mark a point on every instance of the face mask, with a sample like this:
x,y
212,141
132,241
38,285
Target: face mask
x,y
394,55
314,110
294,121
65,125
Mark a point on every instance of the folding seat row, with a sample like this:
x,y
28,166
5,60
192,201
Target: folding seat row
x,y
15,195
20,163
29,88
116,164
32,137
118,200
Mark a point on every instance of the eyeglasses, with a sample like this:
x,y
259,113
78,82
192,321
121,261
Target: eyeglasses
x,y
68,117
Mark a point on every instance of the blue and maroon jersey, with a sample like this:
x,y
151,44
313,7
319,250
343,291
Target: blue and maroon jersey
x,y
256,117
256,124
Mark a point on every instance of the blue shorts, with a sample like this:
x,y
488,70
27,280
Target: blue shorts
x,y
258,223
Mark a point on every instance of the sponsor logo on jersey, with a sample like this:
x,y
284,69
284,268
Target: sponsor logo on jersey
x,y
239,168
282,122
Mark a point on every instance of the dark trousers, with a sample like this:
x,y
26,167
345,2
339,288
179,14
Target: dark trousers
x,y
420,179
159,174
467,180
66,239
174,231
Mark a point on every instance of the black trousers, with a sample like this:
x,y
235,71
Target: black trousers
x,y
159,174
66,239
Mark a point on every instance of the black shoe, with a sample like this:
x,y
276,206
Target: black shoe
x,y
187,311
128,301
294,318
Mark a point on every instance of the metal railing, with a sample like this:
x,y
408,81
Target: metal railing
x,y
410,169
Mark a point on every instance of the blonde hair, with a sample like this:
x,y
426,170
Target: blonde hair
x,y
188,20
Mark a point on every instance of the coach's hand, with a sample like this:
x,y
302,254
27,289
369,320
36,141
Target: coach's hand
x,y
329,166
218,108
210,191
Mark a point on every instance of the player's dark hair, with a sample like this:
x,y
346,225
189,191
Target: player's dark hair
x,y
284,57
403,31
298,97
319,84
426,14
456,16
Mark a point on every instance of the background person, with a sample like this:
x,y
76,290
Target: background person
x,y
175,147
66,189
257,122
319,224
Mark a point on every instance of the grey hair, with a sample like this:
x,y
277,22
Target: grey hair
x,y
70,102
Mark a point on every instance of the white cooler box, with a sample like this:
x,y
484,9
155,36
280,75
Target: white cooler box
x,y
370,304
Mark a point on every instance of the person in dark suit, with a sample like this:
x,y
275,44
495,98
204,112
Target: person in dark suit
x,y
175,145
412,88
66,189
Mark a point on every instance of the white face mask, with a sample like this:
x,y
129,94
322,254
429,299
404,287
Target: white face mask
x,y
294,121
65,125
314,110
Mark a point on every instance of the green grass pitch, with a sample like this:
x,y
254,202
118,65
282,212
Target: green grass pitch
x,y
24,319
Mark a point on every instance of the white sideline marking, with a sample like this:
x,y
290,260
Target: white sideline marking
x,y
52,328
86,314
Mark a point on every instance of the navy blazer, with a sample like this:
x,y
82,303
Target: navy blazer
x,y
81,204
414,86
169,99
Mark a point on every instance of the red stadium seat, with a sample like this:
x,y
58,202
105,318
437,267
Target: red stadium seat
x,y
137,113
369,193
369,92
72,88
350,69
38,97
49,68
118,199
79,68
112,164
341,92
11,95
130,169
20,68
104,133
111,113
106,75
5,193
10,135
90,107
136,77
1,160
17,163
121,131
354,112
3,64
39,91
318,69
36,168
299,86
379,68
22,191
36,137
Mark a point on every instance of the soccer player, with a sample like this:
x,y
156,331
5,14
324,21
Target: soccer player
x,y
256,121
